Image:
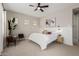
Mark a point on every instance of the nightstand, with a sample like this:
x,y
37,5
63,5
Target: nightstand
x,y
10,39
60,39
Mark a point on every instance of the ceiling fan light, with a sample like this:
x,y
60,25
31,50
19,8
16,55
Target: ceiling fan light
x,y
38,8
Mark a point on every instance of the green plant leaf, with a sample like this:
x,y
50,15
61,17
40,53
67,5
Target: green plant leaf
x,y
14,27
9,25
13,20
10,21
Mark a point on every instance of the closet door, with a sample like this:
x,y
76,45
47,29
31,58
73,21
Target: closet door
x,y
76,29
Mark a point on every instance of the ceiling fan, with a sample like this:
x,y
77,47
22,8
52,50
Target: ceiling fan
x,y
39,7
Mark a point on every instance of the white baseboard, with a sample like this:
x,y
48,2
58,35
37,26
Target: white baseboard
x,y
69,44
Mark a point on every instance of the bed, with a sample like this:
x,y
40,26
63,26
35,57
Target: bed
x,y
43,39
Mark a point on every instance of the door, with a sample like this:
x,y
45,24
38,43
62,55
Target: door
x,y
76,29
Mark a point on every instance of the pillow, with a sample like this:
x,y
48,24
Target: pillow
x,y
49,32
45,32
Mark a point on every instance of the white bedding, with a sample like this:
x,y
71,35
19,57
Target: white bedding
x,y
43,39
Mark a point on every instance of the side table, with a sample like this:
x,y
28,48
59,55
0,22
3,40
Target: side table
x,y
10,39
60,39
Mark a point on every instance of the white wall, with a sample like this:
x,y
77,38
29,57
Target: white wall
x,y
21,27
63,19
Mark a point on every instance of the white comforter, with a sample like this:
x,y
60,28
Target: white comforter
x,y
43,39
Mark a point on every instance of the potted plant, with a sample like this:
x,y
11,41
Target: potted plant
x,y
11,25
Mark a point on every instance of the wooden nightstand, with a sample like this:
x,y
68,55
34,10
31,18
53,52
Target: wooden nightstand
x,y
60,39
10,39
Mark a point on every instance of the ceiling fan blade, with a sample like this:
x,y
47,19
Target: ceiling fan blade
x,y
31,5
42,10
44,6
35,9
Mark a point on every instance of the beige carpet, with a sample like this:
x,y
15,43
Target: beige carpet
x,y
29,48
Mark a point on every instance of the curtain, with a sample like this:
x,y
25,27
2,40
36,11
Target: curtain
x,y
2,28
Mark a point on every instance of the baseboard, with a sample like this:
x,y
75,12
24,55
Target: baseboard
x,y
69,44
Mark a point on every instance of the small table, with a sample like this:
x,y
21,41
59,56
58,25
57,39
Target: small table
x,y
10,39
60,39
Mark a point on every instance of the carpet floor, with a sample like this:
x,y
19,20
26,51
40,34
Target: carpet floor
x,y
29,48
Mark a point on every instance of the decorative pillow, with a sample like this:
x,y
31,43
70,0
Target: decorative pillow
x,y
49,33
45,32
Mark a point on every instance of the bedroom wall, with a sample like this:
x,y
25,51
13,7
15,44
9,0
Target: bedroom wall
x,y
26,27
63,19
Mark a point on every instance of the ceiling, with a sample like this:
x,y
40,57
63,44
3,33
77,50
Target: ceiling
x,y
25,9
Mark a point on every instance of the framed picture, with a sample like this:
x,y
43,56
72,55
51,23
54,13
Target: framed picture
x,y
51,22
